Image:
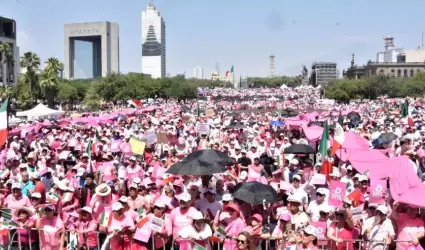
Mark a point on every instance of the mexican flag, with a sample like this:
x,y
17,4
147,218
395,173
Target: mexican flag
x,y
220,233
324,142
4,122
279,111
142,222
136,103
105,219
230,71
323,152
405,109
141,212
95,142
339,138
73,242
6,214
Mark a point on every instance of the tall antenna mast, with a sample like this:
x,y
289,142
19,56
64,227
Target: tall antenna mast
x,y
272,65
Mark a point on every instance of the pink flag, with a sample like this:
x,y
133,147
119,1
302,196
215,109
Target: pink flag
x,y
337,193
378,189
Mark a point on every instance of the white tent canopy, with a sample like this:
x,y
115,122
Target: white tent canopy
x,y
39,111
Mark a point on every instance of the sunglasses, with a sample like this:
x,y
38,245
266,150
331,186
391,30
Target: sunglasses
x,y
364,182
48,210
320,195
156,207
241,241
323,214
35,199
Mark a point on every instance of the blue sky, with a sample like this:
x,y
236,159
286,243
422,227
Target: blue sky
x,y
242,33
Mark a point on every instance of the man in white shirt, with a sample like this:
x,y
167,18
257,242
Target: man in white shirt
x,y
378,230
209,206
318,204
299,191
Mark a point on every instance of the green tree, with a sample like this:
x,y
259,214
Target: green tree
x,y
48,85
53,64
31,62
6,61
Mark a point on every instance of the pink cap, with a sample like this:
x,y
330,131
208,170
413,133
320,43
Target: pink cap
x,y
285,217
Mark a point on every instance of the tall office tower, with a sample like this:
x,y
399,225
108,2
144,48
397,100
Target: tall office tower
x,y
153,43
198,72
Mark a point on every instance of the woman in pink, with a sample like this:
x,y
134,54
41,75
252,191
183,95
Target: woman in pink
x,y
161,237
255,229
121,227
26,236
101,200
51,227
309,238
340,233
235,225
282,232
86,228
410,227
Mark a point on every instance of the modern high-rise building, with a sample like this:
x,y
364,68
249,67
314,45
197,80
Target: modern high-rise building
x,y
91,49
323,72
198,73
9,70
153,43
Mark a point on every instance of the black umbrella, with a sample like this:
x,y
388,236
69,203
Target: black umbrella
x,y
299,149
201,162
353,116
254,193
316,123
388,136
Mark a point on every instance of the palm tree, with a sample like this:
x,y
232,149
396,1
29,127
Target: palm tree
x,y
30,61
53,64
48,85
6,57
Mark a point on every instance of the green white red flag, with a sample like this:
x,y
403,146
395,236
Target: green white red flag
x,y
4,122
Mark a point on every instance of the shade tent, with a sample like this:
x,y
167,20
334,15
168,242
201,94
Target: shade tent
x,y
39,111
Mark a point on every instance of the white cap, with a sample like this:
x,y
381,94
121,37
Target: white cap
x,y
362,178
325,208
185,197
321,191
311,230
85,155
36,195
159,203
227,197
294,198
16,185
294,162
197,216
133,158
117,206
123,199
86,209
298,177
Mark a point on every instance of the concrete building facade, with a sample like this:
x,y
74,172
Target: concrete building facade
x,y
324,72
91,49
9,71
153,43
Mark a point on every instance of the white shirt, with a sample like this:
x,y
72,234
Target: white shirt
x,y
379,233
314,209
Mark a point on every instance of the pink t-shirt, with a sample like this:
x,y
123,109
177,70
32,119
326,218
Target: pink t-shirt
x,y
49,235
408,229
118,241
12,203
100,204
88,229
233,229
180,220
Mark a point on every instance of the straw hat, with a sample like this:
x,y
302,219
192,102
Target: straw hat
x,y
103,190
26,209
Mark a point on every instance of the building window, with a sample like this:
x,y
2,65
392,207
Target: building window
x,y
412,73
399,73
381,71
392,73
405,73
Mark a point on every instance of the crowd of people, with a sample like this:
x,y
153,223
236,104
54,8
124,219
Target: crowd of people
x,y
79,182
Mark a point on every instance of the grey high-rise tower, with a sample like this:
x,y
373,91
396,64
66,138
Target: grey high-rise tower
x,y
153,43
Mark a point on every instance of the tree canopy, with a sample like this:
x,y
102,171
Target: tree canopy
x,y
374,87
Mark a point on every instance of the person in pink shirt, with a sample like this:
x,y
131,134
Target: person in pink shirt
x,y
86,228
101,200
120,229
410,227
235,225
25,236
16,198
129,212
182,216
133,167
52,228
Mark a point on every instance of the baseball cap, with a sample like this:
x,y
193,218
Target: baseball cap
x,y
117,206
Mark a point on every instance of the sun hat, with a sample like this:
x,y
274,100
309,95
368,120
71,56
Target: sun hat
x,y
185,197
22,208
231,206
159,203
103,190
227,197
311,230
197,216
36,195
